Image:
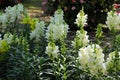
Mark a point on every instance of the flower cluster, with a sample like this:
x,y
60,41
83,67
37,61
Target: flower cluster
x,y
30,21
113,21
3,19
8,38
57,29
81,39
81,19
11,14
38,32
52,50
14,13
91,59
5,43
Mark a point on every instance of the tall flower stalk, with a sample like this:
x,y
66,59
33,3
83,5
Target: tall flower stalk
x,y
81,20
57,29
91,59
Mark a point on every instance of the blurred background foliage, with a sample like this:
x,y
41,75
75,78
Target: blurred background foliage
x,y
96,10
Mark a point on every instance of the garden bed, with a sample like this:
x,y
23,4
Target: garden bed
x,y
32,48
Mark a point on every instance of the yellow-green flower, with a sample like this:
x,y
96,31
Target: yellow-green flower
x,y
4,46
26,20
31,21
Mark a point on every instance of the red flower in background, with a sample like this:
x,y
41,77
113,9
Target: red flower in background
x,y
19,1
117,7
82,1
73,0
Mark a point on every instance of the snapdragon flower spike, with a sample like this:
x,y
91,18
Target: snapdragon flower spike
x,y
57,29
11,15
81,20
52,50
3,19
91,59
81,39
8,38
5,43
38,32
14,13
113,21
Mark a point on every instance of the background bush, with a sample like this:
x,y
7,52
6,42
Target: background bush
x,y
96,10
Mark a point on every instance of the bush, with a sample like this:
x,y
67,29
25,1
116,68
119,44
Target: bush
x,y
96,10
6,3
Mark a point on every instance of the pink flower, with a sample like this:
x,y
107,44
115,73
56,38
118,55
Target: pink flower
x,y
82,1
73,8
65,8
44,2
73,0
116,6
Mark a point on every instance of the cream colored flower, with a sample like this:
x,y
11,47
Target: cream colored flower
x,y
81,39
113,21
8,38
81,19
38,32
52,50
57,29
3,19
91,59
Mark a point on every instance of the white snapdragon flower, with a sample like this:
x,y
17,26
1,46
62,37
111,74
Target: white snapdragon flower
x,y
56,32
91,59
3,19
52,50
38,32
81,19
11,13
113,21
58,17
81,39
20,9
57,29
14,13
8,38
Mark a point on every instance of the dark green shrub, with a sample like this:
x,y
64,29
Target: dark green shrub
x,y
96,10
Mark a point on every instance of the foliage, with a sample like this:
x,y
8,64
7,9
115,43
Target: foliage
x,y
94,9
99,33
